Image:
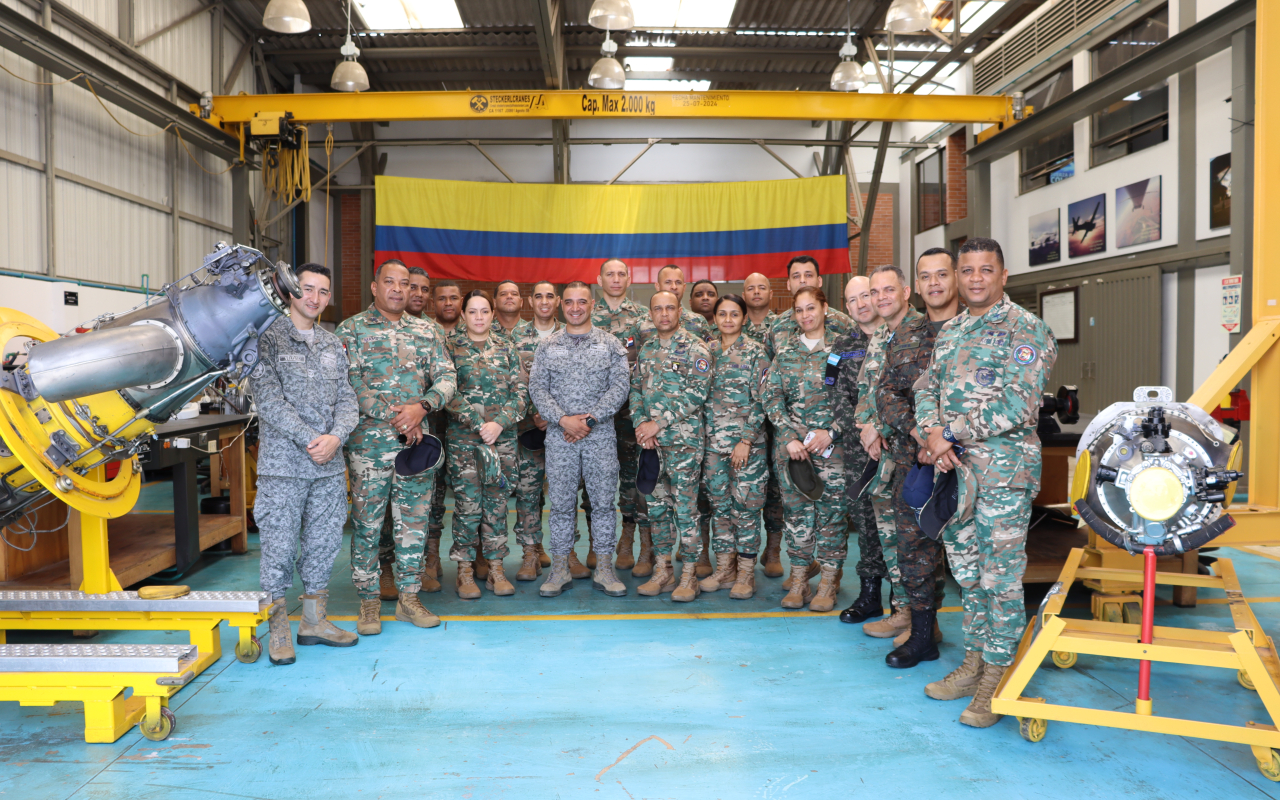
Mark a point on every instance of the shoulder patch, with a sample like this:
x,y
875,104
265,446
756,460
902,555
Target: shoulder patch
x,y
702,365
985,376
764,375
1025,354
631,342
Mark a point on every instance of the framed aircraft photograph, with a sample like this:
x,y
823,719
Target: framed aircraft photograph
x,y
1046,244
1138,213
1087,226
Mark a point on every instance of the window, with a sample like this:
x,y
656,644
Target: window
x,y
931,197
1140,120
1051,158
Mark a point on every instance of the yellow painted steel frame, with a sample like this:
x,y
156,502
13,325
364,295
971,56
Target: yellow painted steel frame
x,y
108,714
1248,651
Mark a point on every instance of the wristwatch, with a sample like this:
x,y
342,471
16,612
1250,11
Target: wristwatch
x,y
947,434
425,406
591,422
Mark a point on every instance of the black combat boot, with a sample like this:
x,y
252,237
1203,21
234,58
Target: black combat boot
x,y
867,606
919,645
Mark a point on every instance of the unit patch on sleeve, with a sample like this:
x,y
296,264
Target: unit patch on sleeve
x,y
1024,354
702,365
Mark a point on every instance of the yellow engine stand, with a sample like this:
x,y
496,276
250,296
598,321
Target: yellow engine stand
x,y
1248,651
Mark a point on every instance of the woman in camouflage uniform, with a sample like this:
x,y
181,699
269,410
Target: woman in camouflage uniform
x,y
491,398
735,468
802,410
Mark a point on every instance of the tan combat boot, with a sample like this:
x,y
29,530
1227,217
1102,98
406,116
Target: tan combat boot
x,y
962,682
559,579
576,568
688,590
431,562
544,559
626,542
813,569
369,622
704,558
497,581
591,556
979,713
644,562
800,592
387,581
771,558
890,626
530,569
662,579
901,638
745,586
480,567
606,580
315,628
410,609
825,598
466,585
280,643
726,573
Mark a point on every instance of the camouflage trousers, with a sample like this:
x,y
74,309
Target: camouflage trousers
x,y
374,484
295,513
923,577
479,508
816,530
989,559
863,519
531,472
673,506
593,461
886,526
438,421
773,513
736,496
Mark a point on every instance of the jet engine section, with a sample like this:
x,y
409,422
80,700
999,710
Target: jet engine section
x,y
1156,472
94,397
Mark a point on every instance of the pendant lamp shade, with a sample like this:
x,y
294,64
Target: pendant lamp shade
x,y
287,16
612,15
349,75
847,77
607,73
906,16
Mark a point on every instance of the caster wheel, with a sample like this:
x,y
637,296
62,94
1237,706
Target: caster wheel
x,y
1247,683
1111,613
1033,730
1063,660
1270,767
162,729
249,654
1133,613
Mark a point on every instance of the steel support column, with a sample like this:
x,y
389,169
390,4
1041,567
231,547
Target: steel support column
x,y
50,160
1243,64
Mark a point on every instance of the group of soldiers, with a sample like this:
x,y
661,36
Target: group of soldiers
x,y
701,424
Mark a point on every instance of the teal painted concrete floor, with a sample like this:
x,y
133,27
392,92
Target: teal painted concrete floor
x,y
645,706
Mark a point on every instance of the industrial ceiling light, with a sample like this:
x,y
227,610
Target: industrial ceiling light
x,y
287,16
611,15
607,73
848,76
906,16
349,75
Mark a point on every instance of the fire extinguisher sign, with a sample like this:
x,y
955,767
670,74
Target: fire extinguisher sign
x,y
1231,303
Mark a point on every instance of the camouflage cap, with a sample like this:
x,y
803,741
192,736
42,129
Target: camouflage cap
x,y
490,466
951,504
805,478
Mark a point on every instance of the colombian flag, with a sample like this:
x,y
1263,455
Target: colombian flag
x,y
466,230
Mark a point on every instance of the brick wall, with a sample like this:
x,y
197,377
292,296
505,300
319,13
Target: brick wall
x,y
957,177
349,258
880,250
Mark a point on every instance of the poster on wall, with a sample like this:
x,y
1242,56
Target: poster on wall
x,y
1045,244
1231,303
1138,213
1220,191
1088,220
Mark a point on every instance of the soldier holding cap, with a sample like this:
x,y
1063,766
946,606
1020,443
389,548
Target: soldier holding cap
x,y
982,391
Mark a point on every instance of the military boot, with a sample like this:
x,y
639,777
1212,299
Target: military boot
x,y
606,580
369,623
410,609
280,644
824,599
662,579
771,558
576,568
387,581
799,592
726,573
529,566
544,560
813,569
898,621
559,579
625,550
497,581
745,585
979,713
644,562
315,628
704,558
688,590
962,682
430,583
920,644
466,584
591,547
901,639
431,561
480,568
867,606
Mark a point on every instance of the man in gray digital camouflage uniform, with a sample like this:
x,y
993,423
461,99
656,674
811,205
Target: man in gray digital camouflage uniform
x,y
306,409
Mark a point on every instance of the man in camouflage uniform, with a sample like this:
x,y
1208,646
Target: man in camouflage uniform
x,y
306,410
532,464
400,371
702,301
853,352
804,271
507,302
668,390
447,299
982,392
758,294
906,358
631,325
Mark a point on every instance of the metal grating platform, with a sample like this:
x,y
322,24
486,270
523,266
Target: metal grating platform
x,y
218,602
96,657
